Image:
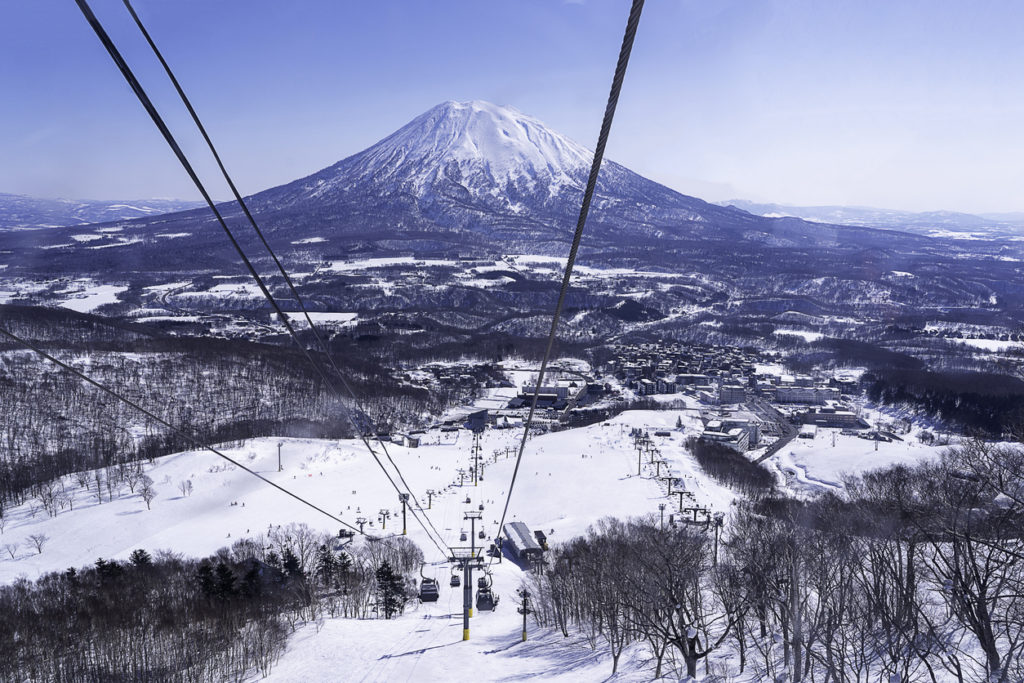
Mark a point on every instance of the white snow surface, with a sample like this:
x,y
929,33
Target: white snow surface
x,y
806,334
514,145
815,464
93,297
568,480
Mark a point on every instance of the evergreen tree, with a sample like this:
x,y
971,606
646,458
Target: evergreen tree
x,y
108,571
141,559
326,566
251,582
290,564
273,559
207,581
390,591
224,581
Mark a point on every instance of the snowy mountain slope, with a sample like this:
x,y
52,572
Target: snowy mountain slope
x,y
475,179
558,490
468,176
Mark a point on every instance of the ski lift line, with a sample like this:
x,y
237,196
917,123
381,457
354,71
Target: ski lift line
x,y
147,104
255,226
609,113
234,190
168,136
194,440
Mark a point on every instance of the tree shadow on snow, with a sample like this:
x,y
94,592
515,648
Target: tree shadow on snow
x,y
553,652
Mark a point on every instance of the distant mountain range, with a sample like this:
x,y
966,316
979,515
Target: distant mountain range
x,y
474,179
931,223
19,211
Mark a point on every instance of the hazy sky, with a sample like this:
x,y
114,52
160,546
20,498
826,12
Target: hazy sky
x,y
910,105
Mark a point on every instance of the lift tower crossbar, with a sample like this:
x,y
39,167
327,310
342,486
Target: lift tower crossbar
x,y
472,516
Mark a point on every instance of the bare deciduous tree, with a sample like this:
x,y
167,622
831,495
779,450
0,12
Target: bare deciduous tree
x,y
38,541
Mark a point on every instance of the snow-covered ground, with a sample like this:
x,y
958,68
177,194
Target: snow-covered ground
x,y
806,334
567,481
816,464
91,297
994,345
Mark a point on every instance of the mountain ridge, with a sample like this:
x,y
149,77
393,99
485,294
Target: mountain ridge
x,y
20,212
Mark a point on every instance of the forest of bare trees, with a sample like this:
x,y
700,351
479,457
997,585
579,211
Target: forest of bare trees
x,y
912,574
53,424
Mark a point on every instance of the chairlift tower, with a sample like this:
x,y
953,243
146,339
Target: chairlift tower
x,y
383,517
361,521
404,499
524,595
463,557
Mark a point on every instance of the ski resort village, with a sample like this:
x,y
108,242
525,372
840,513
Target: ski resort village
x,y
670,434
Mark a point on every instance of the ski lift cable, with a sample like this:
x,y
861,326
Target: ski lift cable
x,y
609,113
177,430
259,232
183,159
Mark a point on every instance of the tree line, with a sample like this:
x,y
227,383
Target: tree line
x,y
53,424
163,617
976,402
911,574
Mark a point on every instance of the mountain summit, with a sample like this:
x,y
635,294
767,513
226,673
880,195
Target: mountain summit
x,y
479,142
468,177
460,149
482,169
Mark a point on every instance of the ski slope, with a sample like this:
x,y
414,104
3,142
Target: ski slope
x,y
567,481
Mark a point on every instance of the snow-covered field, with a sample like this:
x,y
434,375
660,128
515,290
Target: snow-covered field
x,y
993,345
91,297
807,335
819,464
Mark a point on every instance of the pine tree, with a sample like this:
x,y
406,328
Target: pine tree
x,y
141,559
224,582
251,585
108,571
207,582
390,591
273,559
290,563
326,565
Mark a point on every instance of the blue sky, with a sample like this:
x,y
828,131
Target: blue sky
x,y
901,104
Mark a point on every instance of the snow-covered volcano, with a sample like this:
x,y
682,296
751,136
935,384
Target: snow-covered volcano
x,y
480,143
474,177
487,172
464,151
